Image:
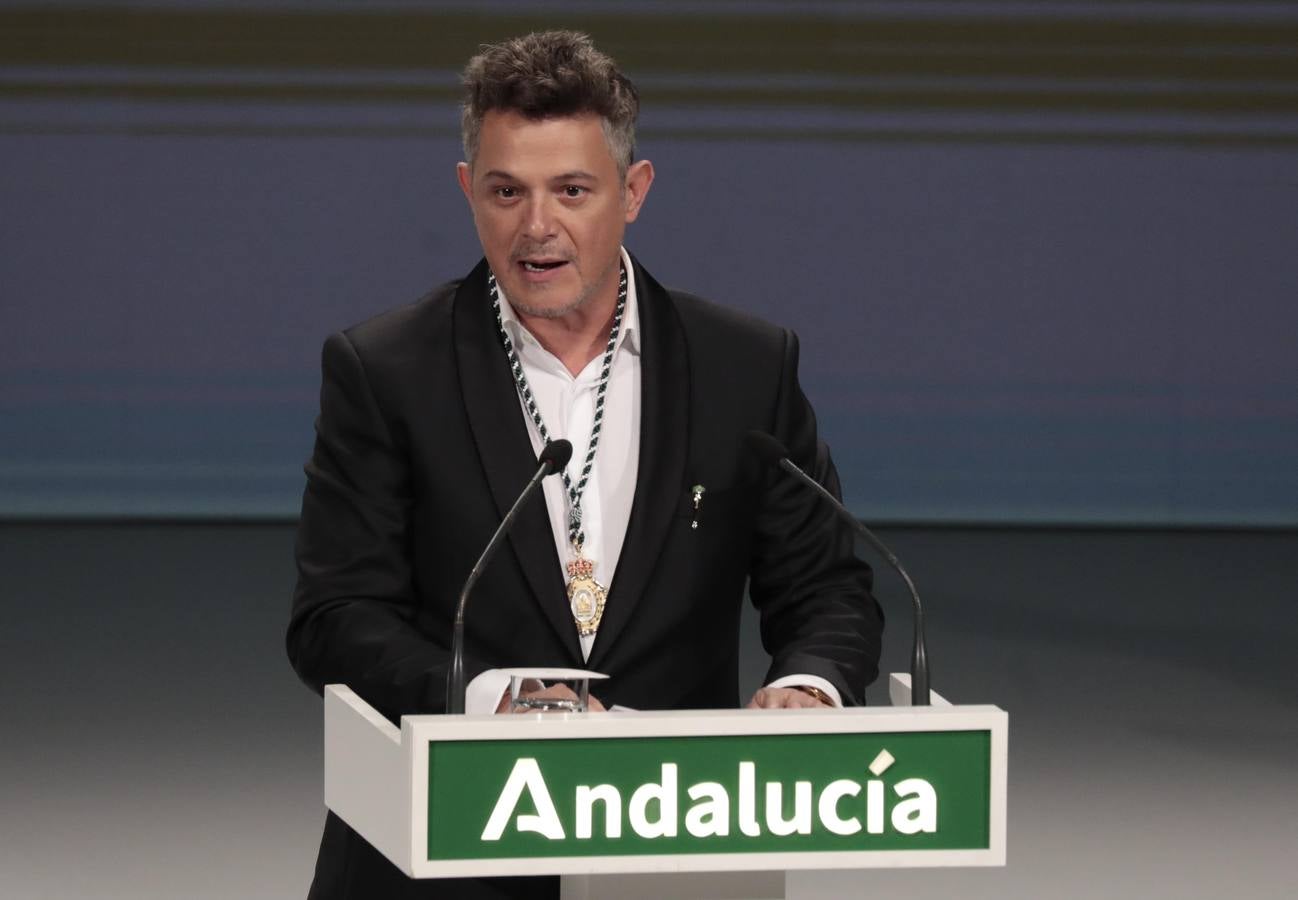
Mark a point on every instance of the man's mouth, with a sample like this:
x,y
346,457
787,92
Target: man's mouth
x,y
541,265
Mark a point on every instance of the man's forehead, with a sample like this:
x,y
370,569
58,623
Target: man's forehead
x,y
510,141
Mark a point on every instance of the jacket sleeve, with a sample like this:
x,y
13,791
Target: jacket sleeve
x,y
813,593
353,615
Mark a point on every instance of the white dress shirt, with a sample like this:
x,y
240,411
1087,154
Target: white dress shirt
x,y
567,406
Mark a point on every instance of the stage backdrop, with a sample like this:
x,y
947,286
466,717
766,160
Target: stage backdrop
x,y
1042,257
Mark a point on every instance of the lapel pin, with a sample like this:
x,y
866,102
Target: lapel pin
x,y
698,490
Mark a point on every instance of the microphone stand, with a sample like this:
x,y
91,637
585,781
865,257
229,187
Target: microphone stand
x,y
919,654
455,677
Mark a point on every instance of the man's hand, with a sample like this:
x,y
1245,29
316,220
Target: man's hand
x,y
785,698
554,692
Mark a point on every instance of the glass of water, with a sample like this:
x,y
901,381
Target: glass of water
x,y
523,682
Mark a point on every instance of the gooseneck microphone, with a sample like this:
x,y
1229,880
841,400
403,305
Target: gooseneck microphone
x,y
772,452
554,456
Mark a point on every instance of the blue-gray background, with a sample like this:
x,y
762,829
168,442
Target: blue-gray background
x,y
1041,256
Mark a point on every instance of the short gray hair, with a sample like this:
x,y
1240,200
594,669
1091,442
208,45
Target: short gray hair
x,y
547,74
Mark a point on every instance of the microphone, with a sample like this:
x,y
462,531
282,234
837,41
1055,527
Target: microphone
x,y
554,456
772,452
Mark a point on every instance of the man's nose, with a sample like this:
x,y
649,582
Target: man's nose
x,y
541,223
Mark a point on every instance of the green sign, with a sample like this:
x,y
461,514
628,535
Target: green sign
x,y
495,799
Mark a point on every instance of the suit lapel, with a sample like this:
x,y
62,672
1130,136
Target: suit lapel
x,y
664,442
496,420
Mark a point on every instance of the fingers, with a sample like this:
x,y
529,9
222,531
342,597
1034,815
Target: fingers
x,y
505,703
553,692
530,687
784,698
761,700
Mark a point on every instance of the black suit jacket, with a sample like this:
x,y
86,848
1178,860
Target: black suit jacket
x,y
421,447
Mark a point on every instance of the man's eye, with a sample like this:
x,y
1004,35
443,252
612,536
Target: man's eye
x,y
574,191
506,193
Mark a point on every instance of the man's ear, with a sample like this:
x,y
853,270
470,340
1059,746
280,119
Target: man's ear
x,y
464,175
639,177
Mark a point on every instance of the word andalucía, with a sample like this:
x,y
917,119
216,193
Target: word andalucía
x,y
654,807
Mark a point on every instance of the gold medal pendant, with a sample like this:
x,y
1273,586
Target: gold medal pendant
x,y
585,595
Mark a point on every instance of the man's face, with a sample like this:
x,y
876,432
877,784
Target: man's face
x,y
551,209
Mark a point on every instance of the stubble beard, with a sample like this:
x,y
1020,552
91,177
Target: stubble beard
x,y
553,312
578,302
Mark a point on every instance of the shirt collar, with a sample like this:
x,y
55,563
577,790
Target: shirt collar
x,y
628,336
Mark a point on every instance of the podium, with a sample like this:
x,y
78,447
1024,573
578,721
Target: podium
x,y
689,804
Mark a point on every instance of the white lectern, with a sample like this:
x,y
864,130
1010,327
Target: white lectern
x,y
694,804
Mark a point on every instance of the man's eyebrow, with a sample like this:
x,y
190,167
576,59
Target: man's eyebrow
x,y
574,175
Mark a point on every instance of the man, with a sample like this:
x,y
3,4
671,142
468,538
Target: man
x,y
635,566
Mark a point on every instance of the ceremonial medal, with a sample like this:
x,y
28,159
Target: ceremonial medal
x,y
585,595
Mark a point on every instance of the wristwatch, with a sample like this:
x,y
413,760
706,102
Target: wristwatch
x,y
815,692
